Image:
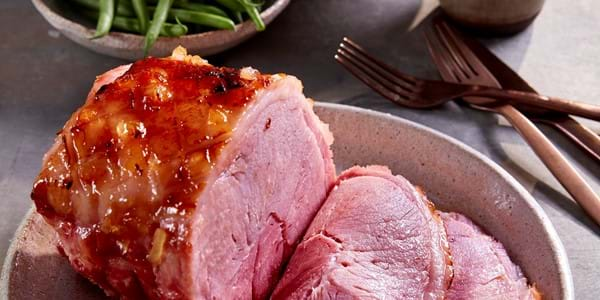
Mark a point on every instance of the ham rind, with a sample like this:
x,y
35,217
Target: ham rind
x,y
376,237
482,268
181,180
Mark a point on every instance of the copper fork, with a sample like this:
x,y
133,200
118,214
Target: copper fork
x,y
581,135
419,93
456,63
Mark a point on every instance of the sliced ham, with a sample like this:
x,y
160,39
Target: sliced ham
x,y
181,180
482,268
376,237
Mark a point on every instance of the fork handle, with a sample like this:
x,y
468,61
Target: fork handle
x,y
566,174
581,135
576,108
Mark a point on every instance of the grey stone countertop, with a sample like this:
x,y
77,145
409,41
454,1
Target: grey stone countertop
x,y
44,77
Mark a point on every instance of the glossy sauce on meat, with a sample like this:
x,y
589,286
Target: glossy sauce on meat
x,y
134,158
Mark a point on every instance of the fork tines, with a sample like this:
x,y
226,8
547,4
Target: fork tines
x,y
456,61
379,76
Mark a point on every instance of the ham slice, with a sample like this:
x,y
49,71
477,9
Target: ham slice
x,y
482,268
376,237
181,180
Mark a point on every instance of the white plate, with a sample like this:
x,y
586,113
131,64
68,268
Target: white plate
x,y
455,177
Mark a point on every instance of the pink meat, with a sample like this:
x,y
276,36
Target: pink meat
x,y
482,268
262,196
181,180
376,237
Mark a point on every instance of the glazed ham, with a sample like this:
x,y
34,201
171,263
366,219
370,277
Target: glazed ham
x,y
376,237
482,268
181,180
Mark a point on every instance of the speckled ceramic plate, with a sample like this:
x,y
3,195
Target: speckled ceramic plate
x,y
130,46
455,177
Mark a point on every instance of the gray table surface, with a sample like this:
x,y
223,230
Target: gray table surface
x,y
44,77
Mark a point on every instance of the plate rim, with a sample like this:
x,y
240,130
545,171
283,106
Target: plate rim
x,y
556,244
10,255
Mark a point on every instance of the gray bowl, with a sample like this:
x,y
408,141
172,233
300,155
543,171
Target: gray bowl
x,y
455,177
130,46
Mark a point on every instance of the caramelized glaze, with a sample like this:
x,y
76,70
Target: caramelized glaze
x,y
128,167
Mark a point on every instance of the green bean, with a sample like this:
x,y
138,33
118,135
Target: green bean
x,y
173,30
252,3
141,11
160,16
238,16
200,8
245,6
122,8
196,7
233,5
133,25
255,17
105,18
134,16
200,18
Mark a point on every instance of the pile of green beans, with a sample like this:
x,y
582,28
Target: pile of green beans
x,y
171,18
